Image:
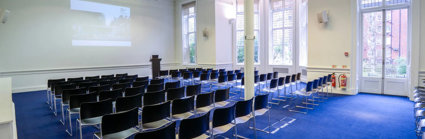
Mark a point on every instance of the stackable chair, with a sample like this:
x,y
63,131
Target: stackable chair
x,y
221,83
121,75
183,108
66,94
224,120
156,116
269,78
119,125
221,97
134,91
272,89
231,80
155,87
167,132
198,127
193,90
141,83
75,102
196,76
107,76
174,84
146,78
204,80
51,87
122,86
298,81
164,74
261,107
92,77
99,88
329,84
187,78
113,94
294,82
152,98
157,81
175,93
204,102
175,75
128,102
91,113
244,113
263,81
57,96
308,91
275,75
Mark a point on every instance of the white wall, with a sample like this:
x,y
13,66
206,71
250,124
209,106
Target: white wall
x,y
35,44
224,11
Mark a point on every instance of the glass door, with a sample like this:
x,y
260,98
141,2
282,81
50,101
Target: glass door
x,y
385,52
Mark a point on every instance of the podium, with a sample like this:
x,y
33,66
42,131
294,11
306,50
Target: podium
x,y
156,66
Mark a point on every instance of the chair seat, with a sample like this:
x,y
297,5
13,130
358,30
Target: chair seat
x,y
260,112
74,110
204,109
243,119
156,124
302,93
119,135
420,113
421,124
92,121
420,105
182,115
221,103
269,90
222,129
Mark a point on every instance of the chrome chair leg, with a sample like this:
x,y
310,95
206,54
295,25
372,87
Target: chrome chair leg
x,y
63,115
69,130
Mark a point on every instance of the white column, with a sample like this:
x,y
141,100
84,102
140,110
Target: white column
x,y
249,49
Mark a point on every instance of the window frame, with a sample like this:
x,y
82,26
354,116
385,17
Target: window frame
x,y
186,33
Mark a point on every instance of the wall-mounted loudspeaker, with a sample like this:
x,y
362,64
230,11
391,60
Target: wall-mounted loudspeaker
x,y
323,17
4,14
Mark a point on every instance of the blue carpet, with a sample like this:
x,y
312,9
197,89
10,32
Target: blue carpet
x,y
354,117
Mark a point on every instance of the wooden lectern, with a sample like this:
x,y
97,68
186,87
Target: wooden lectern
x,y
156,66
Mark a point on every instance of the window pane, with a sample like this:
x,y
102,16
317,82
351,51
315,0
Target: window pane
x,y
287,46
277,37
277,19
191,11
391,2
277,4
289,18
191,24
240,22
396,48
372,44
370,3
256,22
256,47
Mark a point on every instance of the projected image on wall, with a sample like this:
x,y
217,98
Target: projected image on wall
x,y
100,24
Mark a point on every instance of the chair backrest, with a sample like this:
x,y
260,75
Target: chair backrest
x,y
256,73
239,76
121,86
174,84
128,102
222,78
59,88
141,83
75,79
231,77
275,75
237,71
107,76
330,78
203,100
155,87
196,74
320,81
95,109
133,77
298,76
205,76
256,78
167,132
183,105
315,84
126,80
117,122
293,77
199,69
87,84
157,81
152,98
222,73
76,100
100,88
121,75
175,74
194,127
263,77
244,108
146,78
230,72
223,116
156,112
175,93
273,83
113,94
163,73
222,70
187,75
261,101
92,77
287,79
221,95
269,76
107,82
325,79
213,71
53,81
66,94
183,70
134,90
309,87
213,75
192,90
281,81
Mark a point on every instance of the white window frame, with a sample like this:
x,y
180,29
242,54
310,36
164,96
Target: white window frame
x,y
255,30
186,33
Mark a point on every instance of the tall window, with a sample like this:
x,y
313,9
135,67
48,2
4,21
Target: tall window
x,y
189,33
240,35
282,32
